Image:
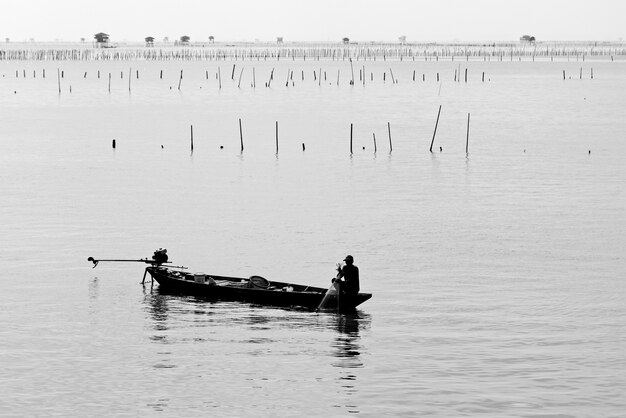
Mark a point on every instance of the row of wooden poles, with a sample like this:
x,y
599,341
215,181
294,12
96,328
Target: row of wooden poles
x,y
317,76
432,142
217,53
580,74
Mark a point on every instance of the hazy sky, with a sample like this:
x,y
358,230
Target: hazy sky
x,y
313,20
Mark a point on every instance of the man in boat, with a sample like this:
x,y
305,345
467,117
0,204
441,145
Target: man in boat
x,y
348,277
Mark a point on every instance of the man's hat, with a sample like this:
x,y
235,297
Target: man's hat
x,y
348,258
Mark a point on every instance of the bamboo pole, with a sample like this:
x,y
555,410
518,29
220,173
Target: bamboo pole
x,y
276,137
352,71
241,135
435,132
351,128
467,137
240,74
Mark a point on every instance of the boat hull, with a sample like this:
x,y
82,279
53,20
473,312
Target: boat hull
x,y
240,289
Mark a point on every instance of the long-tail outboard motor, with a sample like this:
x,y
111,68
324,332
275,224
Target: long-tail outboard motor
x,y
160,256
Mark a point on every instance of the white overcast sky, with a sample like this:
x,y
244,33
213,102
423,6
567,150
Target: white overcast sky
x,y
314,20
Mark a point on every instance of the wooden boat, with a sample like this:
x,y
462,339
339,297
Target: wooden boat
x,y
254,289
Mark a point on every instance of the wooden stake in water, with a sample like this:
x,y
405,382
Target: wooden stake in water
x,y
59,79
191,138
467,137
352,71
241,135
113,144
219,77
435,132
180,80
351,126
389,132
374,136
232,76
240,74
130,72
276,137
109,82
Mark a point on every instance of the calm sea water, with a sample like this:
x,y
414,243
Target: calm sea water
x,y
498,276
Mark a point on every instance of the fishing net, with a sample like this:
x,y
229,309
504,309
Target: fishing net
x,y
330,301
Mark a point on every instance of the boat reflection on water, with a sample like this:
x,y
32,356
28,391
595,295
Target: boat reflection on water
x,y
156,305
253,331
347,342
348,349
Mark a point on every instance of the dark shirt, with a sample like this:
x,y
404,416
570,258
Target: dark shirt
x,y
350,274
